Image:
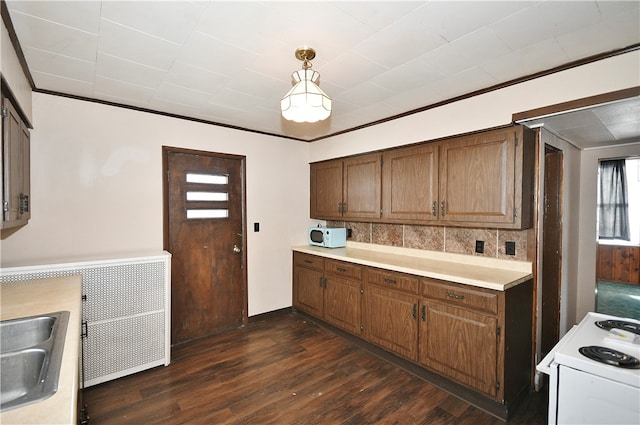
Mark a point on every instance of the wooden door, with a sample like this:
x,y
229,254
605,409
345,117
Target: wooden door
x,y
342,303
362,183
390,320
308,291
551,249
326,190
461,344
477,178
410,183
204,214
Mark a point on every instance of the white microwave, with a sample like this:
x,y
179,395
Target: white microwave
x,y
328,237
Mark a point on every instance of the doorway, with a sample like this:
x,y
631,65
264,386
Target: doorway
x,y
204,216
551,248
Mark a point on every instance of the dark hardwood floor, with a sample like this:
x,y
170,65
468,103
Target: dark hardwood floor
x,y
285,370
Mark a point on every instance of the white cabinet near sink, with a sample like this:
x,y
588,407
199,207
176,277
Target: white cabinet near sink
x,y
125,311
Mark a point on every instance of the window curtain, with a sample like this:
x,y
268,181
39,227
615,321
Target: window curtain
x,y
613,203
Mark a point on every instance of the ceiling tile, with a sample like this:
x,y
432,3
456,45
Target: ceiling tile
x,y
172,21
378,14
80,15
131,72
125,92
63,85
120,41
52,63
401,42
46,35
466,52
183,74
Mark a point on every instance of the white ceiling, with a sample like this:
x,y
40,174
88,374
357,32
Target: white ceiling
x,y
230,62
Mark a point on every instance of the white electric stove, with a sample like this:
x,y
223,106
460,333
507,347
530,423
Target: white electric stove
x,y
594,373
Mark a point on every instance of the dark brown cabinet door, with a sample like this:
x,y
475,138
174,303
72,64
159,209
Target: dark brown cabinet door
x,y
460,344
326,190
477,178
342,303
410,182
308,291
390,320
362,186
16,194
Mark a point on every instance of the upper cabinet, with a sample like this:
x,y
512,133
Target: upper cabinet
x,y
410,182
346,188
482,180
15,168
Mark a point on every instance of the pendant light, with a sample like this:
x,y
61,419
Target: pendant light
x,y
305,102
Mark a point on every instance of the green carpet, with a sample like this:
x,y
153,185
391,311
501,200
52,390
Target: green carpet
x,y
618,299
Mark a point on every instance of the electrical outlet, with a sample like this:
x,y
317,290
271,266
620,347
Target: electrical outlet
x,y
256,227
480,247
510,248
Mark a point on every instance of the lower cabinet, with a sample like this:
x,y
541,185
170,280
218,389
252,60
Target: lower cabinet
x,y
328,289
460,344
477,337
390,312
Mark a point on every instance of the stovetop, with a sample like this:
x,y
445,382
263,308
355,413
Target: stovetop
x,y
588,334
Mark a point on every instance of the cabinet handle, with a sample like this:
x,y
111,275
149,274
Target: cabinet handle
x,y
424,313
344,207
308,261
341,269
321,282
442,208
415,311
455,296
23,203
85,330
434,208
389,280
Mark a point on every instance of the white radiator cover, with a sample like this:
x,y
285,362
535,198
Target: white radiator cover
x,y
127,311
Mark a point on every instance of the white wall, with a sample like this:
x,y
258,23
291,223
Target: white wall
x,y
97,189
586,279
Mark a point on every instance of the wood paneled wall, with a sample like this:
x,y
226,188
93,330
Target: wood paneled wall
x,y
618,263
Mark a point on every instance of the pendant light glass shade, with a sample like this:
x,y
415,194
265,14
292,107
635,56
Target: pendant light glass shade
x,y
305,102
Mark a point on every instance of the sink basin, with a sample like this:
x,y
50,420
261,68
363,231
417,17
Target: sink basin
x,y
30,358
17,334
21,372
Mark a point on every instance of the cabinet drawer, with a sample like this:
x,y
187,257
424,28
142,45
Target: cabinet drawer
x,y
399,281
461,295
308,261
343,269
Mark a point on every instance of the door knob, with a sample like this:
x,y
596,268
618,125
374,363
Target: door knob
x,y
236,249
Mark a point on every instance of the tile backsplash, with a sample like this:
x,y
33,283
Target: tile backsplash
x,y
458,240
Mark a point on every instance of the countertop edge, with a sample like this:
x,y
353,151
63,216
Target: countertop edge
x,y
423,265
52,294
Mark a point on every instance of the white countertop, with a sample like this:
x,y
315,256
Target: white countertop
x,y
491,273
33,297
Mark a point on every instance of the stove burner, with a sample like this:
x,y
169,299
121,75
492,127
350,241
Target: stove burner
x,y
619,324
610,356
